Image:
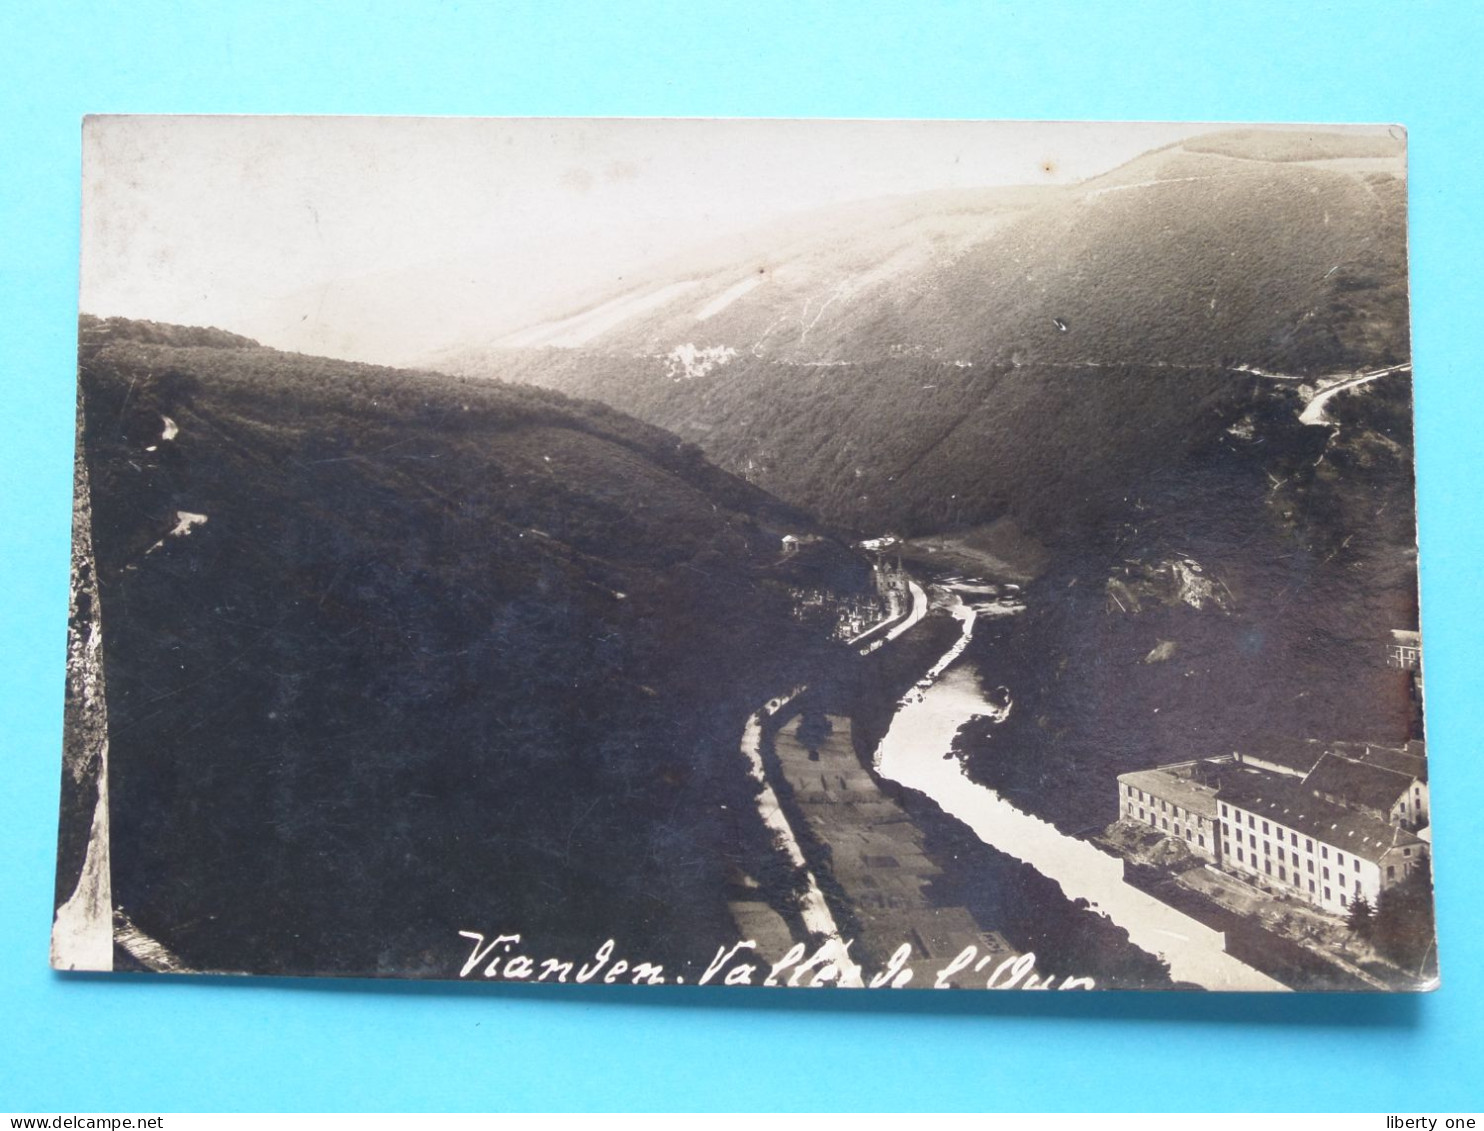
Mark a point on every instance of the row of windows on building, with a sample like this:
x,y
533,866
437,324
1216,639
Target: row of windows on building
x,y
1177,811
1250,860
1293,840
1189,832
1280,847
1297,880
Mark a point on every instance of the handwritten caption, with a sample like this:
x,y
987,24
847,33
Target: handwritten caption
x,y
503,957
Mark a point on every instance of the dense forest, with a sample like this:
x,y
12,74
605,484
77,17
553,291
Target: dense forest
x,y
1243,598
917,447
390,654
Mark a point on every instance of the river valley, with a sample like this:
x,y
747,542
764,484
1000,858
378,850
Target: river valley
x,y
916,753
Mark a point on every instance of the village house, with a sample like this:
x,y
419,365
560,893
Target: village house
x,y
1277,832
1404,653
792,542
1173,801
1405,650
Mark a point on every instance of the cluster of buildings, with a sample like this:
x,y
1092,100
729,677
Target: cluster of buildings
x,y
1328,823
851,616
887,598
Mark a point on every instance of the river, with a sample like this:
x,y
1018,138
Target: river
x,y
912,754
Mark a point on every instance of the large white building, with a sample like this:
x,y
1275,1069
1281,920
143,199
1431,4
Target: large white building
x,y
1277,832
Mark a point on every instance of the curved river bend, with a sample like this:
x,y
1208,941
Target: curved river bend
x,y
912,754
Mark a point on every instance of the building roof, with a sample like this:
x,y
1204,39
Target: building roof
x,y
1300,754
1412,760
1290,804
1358,783
1173,787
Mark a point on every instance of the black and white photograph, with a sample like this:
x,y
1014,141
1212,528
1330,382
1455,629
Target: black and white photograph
x,y
805,554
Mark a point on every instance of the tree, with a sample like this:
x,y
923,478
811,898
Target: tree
x,y
1361,919
814,728
1403,927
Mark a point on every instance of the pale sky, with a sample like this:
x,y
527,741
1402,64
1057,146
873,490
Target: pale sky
x,y
379,239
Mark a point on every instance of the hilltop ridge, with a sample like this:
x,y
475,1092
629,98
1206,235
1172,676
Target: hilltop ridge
x,y
936,363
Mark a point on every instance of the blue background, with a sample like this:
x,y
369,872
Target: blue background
x,y
122,1044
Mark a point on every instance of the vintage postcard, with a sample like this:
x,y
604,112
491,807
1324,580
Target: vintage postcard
x,y
773,553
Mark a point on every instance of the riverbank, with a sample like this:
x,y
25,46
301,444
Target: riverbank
x,y
916,753
870,854
890,867
912,754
